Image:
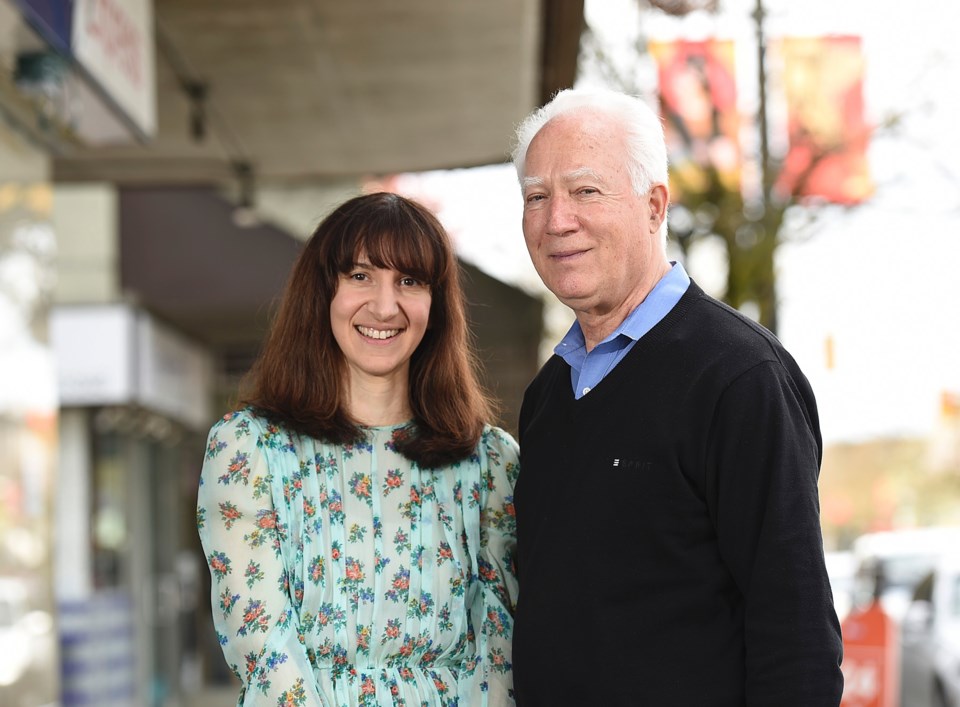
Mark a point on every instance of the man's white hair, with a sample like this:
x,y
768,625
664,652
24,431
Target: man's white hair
x,y
646,150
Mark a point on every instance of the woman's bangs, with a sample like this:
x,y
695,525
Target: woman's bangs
x,y
411,253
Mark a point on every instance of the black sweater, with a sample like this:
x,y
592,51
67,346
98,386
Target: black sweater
x,y
668,527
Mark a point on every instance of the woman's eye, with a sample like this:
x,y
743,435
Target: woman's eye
x,y
358,276
409,282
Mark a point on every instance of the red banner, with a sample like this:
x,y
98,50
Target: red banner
x,y
823,81
698,102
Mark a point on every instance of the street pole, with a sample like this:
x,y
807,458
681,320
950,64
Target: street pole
x,y
766,289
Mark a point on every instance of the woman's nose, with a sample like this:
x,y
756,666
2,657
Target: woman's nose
x,y
384,304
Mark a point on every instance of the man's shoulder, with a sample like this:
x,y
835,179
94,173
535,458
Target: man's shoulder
x,y
720,328
550,372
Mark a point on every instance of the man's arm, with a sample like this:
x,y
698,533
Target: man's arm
x,y
764,460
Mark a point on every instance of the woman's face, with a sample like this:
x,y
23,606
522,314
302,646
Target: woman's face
x,y
379,316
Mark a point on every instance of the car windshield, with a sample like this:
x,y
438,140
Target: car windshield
x,y
906,571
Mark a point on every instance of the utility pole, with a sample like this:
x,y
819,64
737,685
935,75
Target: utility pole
x,y
770,221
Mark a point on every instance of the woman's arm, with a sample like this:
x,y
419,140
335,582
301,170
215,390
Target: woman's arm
x,y
241,532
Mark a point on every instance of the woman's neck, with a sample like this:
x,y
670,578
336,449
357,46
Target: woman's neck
x,y
375,401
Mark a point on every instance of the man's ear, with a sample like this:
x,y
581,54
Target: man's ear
x,y
658,197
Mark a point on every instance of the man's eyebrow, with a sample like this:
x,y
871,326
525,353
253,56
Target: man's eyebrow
x,y
529,182
583,172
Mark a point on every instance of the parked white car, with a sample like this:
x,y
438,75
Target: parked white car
x,y
901,558
930,639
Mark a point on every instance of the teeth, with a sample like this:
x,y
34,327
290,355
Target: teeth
x,y
378,333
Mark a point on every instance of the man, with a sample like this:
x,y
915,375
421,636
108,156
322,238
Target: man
x,y
668,521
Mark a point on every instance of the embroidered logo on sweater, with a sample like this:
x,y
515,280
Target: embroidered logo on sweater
x,y
632,464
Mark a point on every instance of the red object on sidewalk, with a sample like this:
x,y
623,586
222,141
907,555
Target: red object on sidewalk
x,y
871,659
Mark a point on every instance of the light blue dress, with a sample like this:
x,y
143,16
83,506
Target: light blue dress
x,y
347,575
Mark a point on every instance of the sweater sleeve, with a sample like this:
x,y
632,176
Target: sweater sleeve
x,y
765,454
241,531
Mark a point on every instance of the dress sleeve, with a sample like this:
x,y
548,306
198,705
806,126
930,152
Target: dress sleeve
x,y
241,532
766,458
497,568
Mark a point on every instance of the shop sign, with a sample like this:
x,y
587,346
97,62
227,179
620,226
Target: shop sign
x,y
113,41
118,355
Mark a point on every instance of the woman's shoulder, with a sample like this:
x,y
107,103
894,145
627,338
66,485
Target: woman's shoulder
x,y
241,421
248,423
499,447
493,436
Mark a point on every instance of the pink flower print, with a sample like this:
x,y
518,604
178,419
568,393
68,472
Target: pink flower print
x,y
315,570
406,649
229,514
498,661
363,639
237,470
398,436
250,659
394,480
267,520
253,573
219,564
228,601
354,571
392,630
255,618
360,487
214,447
335,507
367,687
444,552
496,622
406,674
486,571
399,586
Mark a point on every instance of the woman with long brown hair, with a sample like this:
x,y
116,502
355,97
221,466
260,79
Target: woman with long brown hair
x,y
357,511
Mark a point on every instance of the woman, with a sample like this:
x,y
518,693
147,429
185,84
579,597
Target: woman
x,y
357,513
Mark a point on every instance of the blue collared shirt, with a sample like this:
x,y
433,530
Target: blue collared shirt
x,y
588,369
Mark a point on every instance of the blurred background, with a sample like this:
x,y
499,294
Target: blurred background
x,y
161,163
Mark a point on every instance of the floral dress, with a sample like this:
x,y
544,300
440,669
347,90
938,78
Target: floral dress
x,y
346,575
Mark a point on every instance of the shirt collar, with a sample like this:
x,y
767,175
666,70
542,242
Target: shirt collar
x,y
655,306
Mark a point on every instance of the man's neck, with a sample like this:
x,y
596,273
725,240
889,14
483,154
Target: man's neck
x,y
597,324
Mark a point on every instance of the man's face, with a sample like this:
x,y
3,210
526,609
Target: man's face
x,y
594,242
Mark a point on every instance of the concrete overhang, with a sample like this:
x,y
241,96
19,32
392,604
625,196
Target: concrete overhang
x,y
318,90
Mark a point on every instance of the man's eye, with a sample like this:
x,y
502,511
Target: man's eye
x,y
535,197
588,190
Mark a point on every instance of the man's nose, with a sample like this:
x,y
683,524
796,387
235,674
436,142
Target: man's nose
x,y
561,216
384,303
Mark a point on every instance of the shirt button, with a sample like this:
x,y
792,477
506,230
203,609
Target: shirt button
x,y
586,390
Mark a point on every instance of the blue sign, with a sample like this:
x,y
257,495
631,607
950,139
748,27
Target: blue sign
x,y
52,19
